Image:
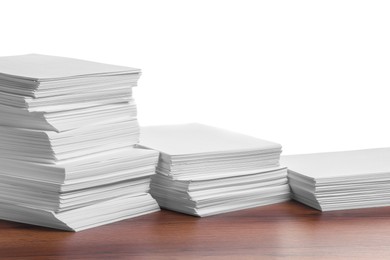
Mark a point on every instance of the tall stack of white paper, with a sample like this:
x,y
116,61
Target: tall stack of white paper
x,y
341,180
204,170
67,133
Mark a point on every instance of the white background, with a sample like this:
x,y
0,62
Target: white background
x,y
311,75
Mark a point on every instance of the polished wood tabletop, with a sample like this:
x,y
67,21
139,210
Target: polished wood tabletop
x,y
283,231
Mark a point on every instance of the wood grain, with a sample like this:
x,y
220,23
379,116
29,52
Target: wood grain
x,y
283,231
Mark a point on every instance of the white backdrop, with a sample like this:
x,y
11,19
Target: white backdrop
x,y
311,75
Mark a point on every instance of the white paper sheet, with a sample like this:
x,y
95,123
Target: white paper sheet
x,y
199,139
339,164
44,67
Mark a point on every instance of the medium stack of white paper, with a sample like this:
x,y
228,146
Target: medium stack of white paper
x,y
67,133
341,180
204,170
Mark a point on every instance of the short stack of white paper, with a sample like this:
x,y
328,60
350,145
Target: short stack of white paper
x,y
205,171
341,180
67,133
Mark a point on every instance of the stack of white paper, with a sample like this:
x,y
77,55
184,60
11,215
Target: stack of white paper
x,y
67,133
205,170
341,180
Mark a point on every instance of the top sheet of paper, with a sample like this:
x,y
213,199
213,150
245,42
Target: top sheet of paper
x,y
43,67
339,164
199,139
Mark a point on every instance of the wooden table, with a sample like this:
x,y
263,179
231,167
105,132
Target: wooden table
x,y
287,230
